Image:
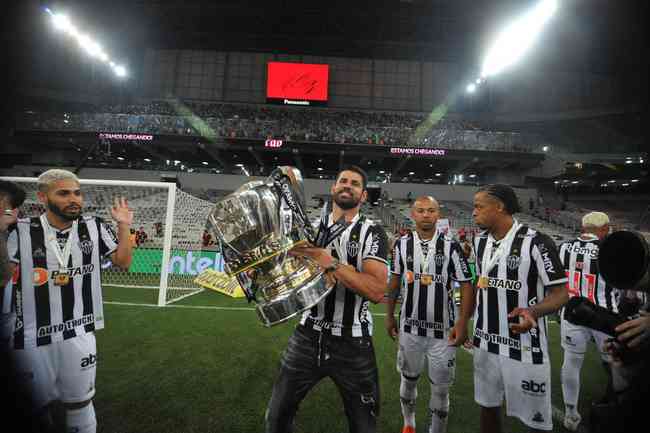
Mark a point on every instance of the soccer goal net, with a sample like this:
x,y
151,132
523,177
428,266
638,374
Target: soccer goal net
x,y
167,235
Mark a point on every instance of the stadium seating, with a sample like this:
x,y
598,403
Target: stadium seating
x,y
262,122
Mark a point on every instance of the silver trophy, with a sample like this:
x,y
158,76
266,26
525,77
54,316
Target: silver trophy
x,y
256,226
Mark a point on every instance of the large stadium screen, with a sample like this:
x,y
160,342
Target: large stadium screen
x,y
297,83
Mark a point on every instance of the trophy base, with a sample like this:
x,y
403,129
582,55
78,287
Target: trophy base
x,y
280,310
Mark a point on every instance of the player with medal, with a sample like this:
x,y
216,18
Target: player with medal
x,y
521,281
57,259
424,264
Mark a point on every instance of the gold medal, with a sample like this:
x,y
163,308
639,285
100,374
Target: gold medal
x,y
61,279
483,282
426,279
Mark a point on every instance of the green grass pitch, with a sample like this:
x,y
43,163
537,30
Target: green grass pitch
x,y
179,369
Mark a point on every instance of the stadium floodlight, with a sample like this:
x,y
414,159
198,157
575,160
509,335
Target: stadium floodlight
x,y
471,88
411,173
62,23
575,181
204,162
513,42
89,45
147,160
625,184
612,181
120,71
381,172
320,169
545,148
472,176
629,161
438,174
556,182
634,180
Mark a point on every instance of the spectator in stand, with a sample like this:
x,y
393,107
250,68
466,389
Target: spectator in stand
x,y
234,120
140,236
206,239
158,230
133,238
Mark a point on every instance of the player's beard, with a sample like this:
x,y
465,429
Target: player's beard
x,y
346,204
68,216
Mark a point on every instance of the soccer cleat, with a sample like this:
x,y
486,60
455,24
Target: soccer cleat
x,y
408,429
571,422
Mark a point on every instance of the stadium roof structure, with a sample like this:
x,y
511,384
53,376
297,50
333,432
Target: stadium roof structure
x,y
589,32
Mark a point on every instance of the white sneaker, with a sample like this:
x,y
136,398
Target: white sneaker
x,y
571,422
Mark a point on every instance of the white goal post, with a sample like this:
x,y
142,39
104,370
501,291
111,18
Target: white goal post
x,y
169,255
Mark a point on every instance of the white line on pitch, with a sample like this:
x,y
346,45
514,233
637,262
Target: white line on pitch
x,y
196,307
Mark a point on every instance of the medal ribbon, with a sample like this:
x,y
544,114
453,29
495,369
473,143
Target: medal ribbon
x,y
425,262
62,256
337,243
492,259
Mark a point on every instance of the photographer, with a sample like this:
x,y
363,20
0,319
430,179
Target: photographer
x,y
631,378
623,262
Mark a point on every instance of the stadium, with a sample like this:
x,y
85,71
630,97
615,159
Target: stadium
x,y
175,105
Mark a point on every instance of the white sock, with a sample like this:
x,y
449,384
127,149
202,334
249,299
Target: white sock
x,y
81,420
408,392
439,408
571,381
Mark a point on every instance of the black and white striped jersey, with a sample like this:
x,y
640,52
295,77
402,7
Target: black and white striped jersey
x,y
46,312
428,303
520,278
343,312
580,259
6,304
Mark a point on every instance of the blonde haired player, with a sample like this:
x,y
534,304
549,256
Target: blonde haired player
x,y
580,260
58,295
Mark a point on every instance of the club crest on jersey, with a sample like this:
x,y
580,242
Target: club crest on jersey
x,y
38,253
409,259
439,258
86,246
353,248
513,262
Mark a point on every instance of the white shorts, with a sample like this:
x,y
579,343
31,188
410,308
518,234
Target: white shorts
x,y
63,370
575,338
527,388
439,355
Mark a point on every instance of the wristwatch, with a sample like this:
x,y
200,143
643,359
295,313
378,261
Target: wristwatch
x,y
334,266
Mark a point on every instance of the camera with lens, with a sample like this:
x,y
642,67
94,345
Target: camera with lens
x,y
623,262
